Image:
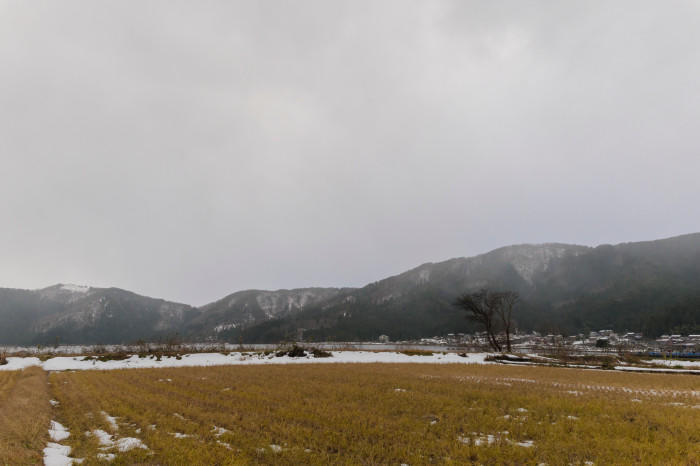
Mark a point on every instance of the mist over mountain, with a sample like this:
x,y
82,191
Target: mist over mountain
x,y
652,286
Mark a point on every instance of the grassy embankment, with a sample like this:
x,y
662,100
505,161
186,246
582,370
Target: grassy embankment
x,y
24,416
383,414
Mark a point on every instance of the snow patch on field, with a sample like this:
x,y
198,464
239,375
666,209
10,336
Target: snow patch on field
x,y
18,363
525,443
129,443
57,432
56,454
103,437
107,442
112,421
479,439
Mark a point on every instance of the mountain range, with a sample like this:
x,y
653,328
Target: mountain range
x,y
651,286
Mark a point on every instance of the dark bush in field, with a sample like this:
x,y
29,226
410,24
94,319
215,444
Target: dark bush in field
x,y
295,352
318,353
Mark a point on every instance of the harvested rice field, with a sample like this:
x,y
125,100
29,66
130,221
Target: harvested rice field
x,y
368,414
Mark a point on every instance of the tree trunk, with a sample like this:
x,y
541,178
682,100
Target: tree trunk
x,y
492,339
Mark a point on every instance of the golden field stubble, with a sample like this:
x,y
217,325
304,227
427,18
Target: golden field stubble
x,y
384,414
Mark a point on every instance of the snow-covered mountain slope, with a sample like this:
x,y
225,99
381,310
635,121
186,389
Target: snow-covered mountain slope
x,y
250,307
80,314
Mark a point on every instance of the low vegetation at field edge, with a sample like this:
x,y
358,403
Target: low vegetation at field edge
x,y
380,414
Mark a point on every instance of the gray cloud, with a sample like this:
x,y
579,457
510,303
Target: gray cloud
x,y
190,149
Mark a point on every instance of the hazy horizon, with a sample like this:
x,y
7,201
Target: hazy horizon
x,y
189,150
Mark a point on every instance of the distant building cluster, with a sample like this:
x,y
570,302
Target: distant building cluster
x,y
600,340
679,343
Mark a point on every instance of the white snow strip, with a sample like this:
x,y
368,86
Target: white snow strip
x,y
106,456
671,363
544,358
219,431
179,435
57,432
65,363
651,369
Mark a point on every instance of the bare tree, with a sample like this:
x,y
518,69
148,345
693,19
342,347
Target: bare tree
x,y
492,309
506,302
480,308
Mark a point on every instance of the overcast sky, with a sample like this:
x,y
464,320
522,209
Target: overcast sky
x,y
187,150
